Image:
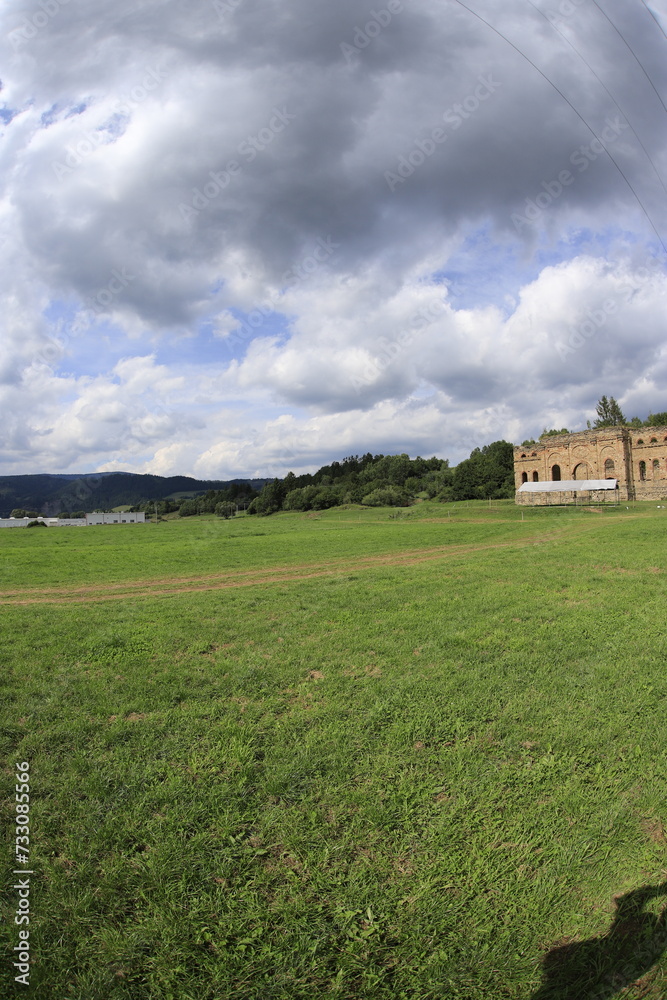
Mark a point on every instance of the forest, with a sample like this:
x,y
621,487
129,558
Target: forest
x,y
374,481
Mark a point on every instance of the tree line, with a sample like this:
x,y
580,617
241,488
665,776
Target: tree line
x,y
224,503
371,480
393,481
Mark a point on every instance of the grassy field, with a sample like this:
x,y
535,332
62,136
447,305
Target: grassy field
x,y
359,754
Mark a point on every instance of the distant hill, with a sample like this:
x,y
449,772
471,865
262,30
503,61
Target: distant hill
x,y
49,494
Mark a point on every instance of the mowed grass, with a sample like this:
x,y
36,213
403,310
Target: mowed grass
x,y
405,780
207,544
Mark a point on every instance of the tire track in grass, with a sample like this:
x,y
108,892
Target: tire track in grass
x,y
174,586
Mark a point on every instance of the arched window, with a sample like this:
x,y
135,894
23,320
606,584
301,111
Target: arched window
x,y
654,440
523,454
524,477
656,468
642,471
581,471
536,477
609,469
641,441
534,455
555,473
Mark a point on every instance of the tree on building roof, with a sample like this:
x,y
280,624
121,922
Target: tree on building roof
x,y
609,413
553,432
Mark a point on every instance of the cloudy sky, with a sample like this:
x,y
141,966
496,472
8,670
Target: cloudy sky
x,y
240,237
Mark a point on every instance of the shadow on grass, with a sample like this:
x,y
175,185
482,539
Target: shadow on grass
x,y
598,968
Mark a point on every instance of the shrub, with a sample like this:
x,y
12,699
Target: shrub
x,y
387,496
554,432
188,508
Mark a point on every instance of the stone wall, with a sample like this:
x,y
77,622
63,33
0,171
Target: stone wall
x,y
572,497
636,458
649,460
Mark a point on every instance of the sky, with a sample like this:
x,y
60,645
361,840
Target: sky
x,y
243,237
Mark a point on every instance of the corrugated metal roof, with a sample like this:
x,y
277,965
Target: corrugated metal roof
x,y
568,485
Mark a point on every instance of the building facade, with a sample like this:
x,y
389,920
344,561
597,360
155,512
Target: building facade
x,y
118,518
637,458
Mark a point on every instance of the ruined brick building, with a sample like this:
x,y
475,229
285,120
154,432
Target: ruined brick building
x,y
635,458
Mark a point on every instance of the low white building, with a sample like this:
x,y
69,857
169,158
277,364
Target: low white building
x,y
22,522
119,518
74,522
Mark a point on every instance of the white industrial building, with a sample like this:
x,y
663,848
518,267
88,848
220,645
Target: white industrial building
x,y
75,522
120,518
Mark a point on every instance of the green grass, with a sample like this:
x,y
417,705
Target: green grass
x,y
208,544
404,779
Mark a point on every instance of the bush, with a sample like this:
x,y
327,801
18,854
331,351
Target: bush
x,y
387,496
554,432
188,508
36,524
325,498
354,495
300,499
270,499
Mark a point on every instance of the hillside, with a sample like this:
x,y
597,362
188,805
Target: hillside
x,y
49,494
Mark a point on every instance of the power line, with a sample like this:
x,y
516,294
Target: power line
x,y
605,88
630,49
654,17
571,105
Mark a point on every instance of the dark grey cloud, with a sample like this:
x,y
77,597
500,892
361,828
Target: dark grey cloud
x,y
353,119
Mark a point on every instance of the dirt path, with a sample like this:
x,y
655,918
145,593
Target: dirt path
x,y
229,579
